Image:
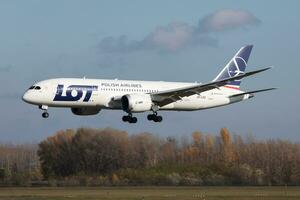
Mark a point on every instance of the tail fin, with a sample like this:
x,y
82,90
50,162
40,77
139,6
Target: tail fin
x,y
236,66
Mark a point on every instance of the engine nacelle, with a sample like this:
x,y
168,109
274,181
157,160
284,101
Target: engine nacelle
x,y
136,102
85,111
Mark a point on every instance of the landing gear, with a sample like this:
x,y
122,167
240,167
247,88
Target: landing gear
x,y
154,117
44,108
129,118
45,114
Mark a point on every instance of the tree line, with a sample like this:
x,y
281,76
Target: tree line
x,y
113,157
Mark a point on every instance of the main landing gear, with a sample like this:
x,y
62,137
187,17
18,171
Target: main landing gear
x,y
45,113
129,118
151,117
154,117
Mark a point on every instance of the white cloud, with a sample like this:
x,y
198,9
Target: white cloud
x,y
172,36
223,20
179,35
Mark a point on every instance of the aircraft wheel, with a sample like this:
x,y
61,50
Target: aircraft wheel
x,y
133,120
159,118
126,118
150,117
45,115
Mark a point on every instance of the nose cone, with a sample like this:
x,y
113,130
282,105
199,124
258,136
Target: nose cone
x,y
27,97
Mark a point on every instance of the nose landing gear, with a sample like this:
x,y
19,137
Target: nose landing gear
x,y
45,113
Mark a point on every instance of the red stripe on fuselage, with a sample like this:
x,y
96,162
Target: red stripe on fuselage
x,y
231,87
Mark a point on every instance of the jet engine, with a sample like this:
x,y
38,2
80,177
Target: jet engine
x,y
136,102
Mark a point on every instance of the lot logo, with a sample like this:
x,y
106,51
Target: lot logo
x,y
74,92
235,66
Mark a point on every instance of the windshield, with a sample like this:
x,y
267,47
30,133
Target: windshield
x,y
34,87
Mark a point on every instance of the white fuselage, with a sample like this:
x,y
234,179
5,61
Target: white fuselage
x,y
103,94
89,96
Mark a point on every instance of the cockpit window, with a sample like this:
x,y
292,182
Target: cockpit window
x,y
34,87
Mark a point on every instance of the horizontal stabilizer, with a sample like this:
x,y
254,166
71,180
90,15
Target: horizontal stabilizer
x,y
252,92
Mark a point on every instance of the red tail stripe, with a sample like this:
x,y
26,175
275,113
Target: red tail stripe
x,y
231,87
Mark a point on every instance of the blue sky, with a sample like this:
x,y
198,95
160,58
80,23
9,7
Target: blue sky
x,y
114,39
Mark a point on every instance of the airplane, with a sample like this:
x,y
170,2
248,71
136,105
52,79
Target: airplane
x,y
88,96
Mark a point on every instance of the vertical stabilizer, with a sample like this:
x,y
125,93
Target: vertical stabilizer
x,y
236,66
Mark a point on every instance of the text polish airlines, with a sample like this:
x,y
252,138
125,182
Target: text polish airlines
x,y
88,96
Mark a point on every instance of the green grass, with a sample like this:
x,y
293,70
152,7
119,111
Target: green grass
x,y
153,193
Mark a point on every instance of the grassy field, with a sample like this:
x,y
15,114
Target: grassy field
x,y
153,193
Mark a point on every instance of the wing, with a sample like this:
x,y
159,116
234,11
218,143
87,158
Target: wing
x,y
169,96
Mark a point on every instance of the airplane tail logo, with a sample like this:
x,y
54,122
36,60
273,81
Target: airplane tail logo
x,y
236,66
